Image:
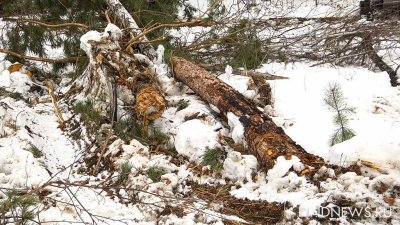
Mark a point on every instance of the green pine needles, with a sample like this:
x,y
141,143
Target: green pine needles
x,y
155,173
89,114
18,208
336,103
245,45
146,13
212,158
24,37
28,37
124,171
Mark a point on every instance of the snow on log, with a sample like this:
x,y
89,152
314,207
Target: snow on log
x,y
265,139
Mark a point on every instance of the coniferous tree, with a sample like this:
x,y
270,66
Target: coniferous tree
x,y
336,103
27,37
147,13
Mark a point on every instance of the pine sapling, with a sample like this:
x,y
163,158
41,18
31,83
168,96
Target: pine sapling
x,y
336,103
18,208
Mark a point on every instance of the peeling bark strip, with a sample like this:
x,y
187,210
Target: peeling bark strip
x,y
266,140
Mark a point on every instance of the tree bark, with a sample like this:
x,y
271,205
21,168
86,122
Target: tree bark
x,y
119,12
379,62
265,139
113,72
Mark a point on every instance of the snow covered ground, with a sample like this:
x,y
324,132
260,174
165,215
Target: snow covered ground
x,y
284,8
305,117
299,109
36,152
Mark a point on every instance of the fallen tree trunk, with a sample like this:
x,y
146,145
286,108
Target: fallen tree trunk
x,y
265,139
262,87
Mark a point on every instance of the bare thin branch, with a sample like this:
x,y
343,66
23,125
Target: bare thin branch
x,y
49,25
40,59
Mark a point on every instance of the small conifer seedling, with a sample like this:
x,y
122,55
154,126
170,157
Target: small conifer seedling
x,y
336,103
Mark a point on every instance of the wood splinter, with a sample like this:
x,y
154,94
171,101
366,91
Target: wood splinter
x,y
57,110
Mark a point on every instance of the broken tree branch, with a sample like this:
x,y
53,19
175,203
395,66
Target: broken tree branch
x,y
159,26
379,62
57,110
38,22
40,59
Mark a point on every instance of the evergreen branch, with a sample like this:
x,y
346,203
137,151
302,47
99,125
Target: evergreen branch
x,y
213,41
212,7
336,102
47,24
40,59
335,138
336,94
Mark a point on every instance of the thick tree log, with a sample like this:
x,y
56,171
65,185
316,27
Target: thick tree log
x,y
265,139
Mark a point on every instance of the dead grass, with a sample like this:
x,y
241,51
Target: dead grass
x,y
254,212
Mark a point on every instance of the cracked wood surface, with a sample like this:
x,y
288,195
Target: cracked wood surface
x,y
265,139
